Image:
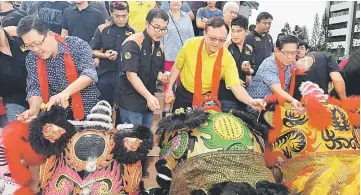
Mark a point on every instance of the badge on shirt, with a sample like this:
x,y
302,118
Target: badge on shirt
x,y
257,39
248,53
128,33
127,55
159,53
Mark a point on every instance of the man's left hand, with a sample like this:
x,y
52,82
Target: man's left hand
x,y
258,104
164,77
60,99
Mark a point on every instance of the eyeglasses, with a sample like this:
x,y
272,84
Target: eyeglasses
x,y
287,53
214,39
159,30
31,46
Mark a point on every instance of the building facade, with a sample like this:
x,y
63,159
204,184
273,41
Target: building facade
x,y
342,15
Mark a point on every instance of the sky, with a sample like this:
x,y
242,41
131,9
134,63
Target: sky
x,y
294,12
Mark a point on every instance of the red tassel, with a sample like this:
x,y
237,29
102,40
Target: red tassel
x,y
334,101
271,98
319,116
354,119
24,191
351,104
16,150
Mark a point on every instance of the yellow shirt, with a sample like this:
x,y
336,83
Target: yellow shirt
x,y
138,11
187,60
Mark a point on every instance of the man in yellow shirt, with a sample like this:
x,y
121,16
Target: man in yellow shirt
x,y
202,63
138,10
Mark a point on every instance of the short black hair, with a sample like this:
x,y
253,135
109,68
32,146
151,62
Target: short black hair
x,y
156,13
119,5
285,39
303,43
263,16
216,22
240,21
29,23
251,27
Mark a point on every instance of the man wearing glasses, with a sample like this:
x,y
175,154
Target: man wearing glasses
x,y
202,63
60,70
106,43
141,64
142,59
277,74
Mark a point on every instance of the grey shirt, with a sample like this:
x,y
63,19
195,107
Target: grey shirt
x,y
171,41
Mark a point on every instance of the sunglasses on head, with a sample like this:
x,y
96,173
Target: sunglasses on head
x,y
119,4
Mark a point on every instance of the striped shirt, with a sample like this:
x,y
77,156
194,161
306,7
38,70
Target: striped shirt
x,y
171,41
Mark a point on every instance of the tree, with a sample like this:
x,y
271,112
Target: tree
x,y
315,34
297,31
324,35
286,29
301,33
304,35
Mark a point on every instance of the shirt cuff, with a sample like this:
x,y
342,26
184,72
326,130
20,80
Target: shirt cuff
x,y
92,74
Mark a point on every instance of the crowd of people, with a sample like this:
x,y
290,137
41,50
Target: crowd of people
x,y
77,53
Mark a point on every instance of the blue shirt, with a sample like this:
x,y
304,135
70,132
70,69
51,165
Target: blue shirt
x,y
82,56
204,12
266,76
171,41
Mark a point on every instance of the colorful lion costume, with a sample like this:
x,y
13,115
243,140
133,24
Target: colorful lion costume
x,y
200,149
317,152
76,157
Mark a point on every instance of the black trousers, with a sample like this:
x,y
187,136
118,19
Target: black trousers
x,y
183,98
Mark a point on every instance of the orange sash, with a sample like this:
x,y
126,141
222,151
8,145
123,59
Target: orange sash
x,y
71,75
282,77
216,76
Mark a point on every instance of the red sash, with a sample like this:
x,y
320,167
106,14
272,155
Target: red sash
x,y
282,77
71,75
216,76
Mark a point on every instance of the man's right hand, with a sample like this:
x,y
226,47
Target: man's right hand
x,y
28,115
297,106
168,96
153,103
111,55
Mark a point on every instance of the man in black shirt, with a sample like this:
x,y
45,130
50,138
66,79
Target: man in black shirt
x,y
106,43
242,54
141,66
351,74
8,15
81,21
320,68
12,73
260,40
142,59
52,13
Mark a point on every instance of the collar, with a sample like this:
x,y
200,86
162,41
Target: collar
x,y
273,57
89,8
113,24
10,38
205,51
258,34
61,48
148,40
181,13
